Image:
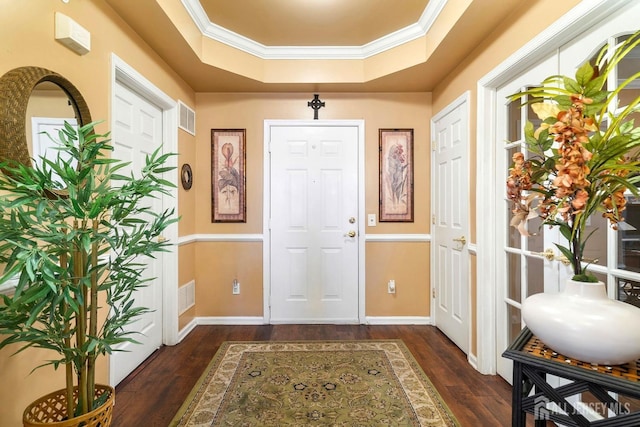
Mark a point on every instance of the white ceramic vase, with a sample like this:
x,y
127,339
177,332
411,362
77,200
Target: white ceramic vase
x,y
582,322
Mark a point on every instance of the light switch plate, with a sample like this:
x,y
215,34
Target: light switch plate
x,y
371,220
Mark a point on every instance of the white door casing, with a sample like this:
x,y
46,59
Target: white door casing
x,y
135,87
450,221
315,222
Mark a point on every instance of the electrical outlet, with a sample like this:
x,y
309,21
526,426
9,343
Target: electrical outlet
x,y
236,287
391,286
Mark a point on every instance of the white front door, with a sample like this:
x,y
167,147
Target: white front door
x,y
136,133
314,219
450,173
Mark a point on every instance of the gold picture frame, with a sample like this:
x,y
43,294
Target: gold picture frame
x,y
228,180
396,175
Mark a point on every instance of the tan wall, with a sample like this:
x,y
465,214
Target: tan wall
x,y
520,27
186,273
408,264
27,34
410,261
220,264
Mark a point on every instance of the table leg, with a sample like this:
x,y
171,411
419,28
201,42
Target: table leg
x,y
518,416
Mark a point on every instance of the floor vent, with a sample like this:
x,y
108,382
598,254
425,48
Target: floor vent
x,y
187,118
186,296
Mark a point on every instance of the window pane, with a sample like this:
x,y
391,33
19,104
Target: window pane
x,y
532,116
595,250
628,291
513,235
535,275
514,124
628,247
535,242
514,322
627,68
515,281
629,237
535,228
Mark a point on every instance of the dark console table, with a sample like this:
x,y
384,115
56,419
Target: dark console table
x,y
533,361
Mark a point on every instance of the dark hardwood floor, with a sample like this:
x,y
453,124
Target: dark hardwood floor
x,y
152,394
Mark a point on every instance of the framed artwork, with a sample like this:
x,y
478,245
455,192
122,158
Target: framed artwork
x,y
228,160
396,175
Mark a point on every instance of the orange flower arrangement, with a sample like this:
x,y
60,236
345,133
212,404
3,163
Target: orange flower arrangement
x,y
583,157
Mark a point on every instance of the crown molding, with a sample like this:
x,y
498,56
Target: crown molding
x,y
240,42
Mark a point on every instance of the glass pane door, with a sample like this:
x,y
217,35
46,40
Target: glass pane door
x,y
614,255
524,268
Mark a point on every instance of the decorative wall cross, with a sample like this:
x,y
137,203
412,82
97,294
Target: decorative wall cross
x,y
316,104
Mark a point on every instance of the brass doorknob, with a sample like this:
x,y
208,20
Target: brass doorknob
x,y
550,255
352,233
461,239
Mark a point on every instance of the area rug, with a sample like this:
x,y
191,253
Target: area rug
x,y
314,383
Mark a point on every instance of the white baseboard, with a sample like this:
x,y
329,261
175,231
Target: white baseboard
x,y
240,320
182,334
473,360
231,320
398,320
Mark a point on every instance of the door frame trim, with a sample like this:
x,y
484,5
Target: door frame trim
x,y
122,73
489,189
266,247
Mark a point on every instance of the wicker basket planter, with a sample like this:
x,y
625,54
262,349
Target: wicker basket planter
x,y
51,411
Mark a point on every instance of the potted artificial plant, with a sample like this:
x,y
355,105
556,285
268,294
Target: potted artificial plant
x,y
72,228
581,161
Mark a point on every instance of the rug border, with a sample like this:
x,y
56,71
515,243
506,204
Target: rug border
x,y
222,350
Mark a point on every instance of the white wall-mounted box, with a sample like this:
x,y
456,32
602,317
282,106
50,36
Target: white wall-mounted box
x,y
71,34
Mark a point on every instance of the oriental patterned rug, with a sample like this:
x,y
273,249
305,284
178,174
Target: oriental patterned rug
x,y
314,383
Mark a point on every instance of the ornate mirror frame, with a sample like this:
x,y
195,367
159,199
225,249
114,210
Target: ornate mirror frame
x,y
15,90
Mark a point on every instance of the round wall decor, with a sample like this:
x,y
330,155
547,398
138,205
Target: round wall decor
x,y
186,176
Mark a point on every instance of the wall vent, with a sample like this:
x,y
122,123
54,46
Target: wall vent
x,y
186,297
187,118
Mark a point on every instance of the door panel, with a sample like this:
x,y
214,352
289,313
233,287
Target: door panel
x,y
137,132
451,224
314,206
522,262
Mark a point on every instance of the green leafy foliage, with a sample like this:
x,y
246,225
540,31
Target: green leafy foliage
x,y
74,231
